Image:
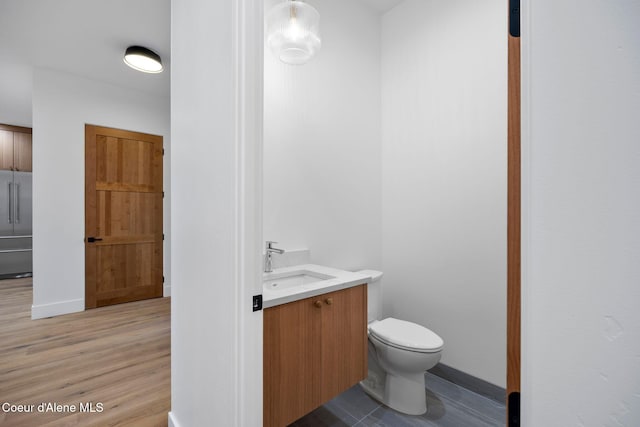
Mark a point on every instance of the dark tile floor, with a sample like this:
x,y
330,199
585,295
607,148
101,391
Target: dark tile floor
x,y
449,405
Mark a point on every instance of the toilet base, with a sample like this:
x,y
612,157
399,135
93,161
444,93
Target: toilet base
x,y
373,386
403,394
406,394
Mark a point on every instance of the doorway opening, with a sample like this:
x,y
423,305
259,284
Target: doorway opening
x,y
16,259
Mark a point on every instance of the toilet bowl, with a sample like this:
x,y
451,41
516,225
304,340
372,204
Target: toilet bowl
x,y
399,354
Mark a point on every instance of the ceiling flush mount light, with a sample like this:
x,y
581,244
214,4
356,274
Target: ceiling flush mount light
x,y
293,29
142,59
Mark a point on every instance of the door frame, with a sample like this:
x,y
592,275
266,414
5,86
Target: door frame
x,y
514,214
248,49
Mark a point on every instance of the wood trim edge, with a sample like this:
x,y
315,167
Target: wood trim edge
x,y
126,134
513,223
12,128
89,204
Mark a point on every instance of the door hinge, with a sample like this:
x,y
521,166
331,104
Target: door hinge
x,y
163,194
513,409
162,279
162,236
163,151
514,18
257,302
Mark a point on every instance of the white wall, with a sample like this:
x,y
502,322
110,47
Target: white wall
x,y
15,87
581,231
322,142
444,176
216,122
62,105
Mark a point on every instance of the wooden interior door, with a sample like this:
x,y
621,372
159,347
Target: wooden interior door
x,y
123,216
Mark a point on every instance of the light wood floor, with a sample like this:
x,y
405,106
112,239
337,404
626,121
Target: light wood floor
x,y
118,356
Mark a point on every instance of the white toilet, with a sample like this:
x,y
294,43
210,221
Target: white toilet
x,y
399,354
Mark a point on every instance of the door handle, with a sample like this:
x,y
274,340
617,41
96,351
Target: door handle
x,y
10,202
93,239
17,201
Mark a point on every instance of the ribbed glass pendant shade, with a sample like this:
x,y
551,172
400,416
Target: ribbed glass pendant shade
x,y
293,31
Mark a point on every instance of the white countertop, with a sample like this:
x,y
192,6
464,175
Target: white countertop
x,y
342,279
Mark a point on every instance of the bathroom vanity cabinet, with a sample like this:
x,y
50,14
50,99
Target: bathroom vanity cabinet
x,y
314,349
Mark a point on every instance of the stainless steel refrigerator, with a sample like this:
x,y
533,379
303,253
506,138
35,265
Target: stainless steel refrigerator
x,y
15,224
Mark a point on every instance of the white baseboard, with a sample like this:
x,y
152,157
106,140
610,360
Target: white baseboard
x,y
172,420
56,309
166,291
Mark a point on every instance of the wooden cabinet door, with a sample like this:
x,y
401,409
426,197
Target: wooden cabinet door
x,y
15,148
344,341
6,150
22,152
291,361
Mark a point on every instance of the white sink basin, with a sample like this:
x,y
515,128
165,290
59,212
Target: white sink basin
x,y
282,281
288,284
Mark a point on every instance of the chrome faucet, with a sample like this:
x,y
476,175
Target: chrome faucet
x,y
269,249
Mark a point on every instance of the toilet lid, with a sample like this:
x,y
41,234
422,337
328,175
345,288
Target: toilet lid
x,y
408,335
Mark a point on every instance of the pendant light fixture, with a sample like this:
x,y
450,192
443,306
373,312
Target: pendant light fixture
x,y
142,59
293,31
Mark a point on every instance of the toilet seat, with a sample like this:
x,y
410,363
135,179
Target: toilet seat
x,y
406,335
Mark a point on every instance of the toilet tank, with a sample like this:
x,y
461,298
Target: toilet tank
x,y
374,294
